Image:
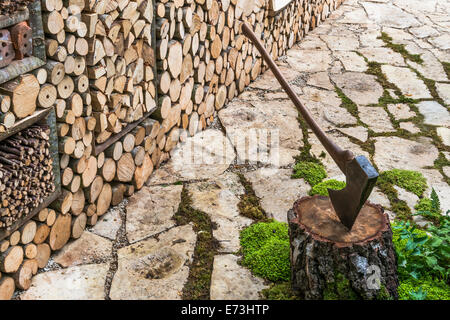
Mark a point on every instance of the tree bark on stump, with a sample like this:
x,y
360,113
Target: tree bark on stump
x,y
329,262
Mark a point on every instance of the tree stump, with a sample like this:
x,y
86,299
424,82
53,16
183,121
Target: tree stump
x,y
329,262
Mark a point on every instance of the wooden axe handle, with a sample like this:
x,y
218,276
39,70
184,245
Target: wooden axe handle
x,y
339,155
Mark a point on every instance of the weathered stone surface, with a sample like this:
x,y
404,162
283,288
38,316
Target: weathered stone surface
x,y
273,134
89,248
203,156
317,149
401,111
267,81
446,170
409,126
380,198
338,116
219,199
109,223
321,80
443,90
309,60
395,152
431,67
155,269
424,31
376,118
359,133
76,283
383,55
398,35
442,190
434,113
355,16
416,5
351,61
444,134
150,211
407,81
369,38
276,190
311,42
340,42
442,42
389,15
230,281
361,88
409,197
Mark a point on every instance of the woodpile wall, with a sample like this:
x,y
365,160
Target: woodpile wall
x,y
128,80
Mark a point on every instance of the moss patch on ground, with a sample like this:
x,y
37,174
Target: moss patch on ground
x,y
322,188
249,205
411,181
400,48
279,291
435,290
312,172
265,246
198,283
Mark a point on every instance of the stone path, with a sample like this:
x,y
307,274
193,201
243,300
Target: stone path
x,y
370,94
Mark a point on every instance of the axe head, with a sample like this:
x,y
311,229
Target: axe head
x,y
361,177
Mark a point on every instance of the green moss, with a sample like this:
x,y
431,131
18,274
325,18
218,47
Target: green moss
x,y
383,294
399,207
199,280
411,181
400,48
249,205
339,289
446,66
435,290
279,291
322,188
347,103
424,204
265,246
312,172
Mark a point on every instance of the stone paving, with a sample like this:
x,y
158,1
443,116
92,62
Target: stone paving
x,y
138,251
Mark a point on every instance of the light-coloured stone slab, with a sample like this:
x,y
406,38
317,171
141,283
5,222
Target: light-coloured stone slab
x,y
203,156
359,133
355,16
383,55
150,211
401,111
89,248
277,190
361,88
409,126
376,118
340,42
389,15
444,134
311,42
155,269
309,60
109,223
407,81
443,90
351,61
219,199
75,283
431,67
442,42
380,198
424,31
409,197
321,80
434,113
267,81
230,281
399,153
416,5
272,131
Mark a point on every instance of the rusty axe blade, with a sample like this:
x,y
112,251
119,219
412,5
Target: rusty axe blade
x,y
360,174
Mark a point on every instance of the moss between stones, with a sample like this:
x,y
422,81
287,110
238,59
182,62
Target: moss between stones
x,y
199,280
279,291
265,246
411,181
322,188
446,66
249,205
312,172
400,48
436,290
339,289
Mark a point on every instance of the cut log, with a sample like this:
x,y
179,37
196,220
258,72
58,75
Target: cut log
x,y
43,254
7,288
78,225
325,255
23,92
60,233
11,259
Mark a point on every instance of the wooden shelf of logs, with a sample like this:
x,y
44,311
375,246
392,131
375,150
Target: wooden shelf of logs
x,y
128,80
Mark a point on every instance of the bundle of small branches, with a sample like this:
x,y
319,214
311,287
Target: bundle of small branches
x,y
11,6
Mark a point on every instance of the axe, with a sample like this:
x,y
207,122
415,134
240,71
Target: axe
x,y
360,175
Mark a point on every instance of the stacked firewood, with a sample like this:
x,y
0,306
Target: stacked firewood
x,y
26,173
12,6
120,63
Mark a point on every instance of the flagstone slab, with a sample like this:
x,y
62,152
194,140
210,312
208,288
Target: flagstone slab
x,y
401,111
85,282
351,61
435,114
230,281
87,249
151,210
321,80
389,15
424,31
155,269
376,118
108,224
359,132
409,126
444,134
443,90
309,60
442,42
400,153
361,88
341,42
383,55
407,81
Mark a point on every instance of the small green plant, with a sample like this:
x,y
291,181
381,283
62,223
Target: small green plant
x,y
430,208
265,246
312,172
411,181
322,188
